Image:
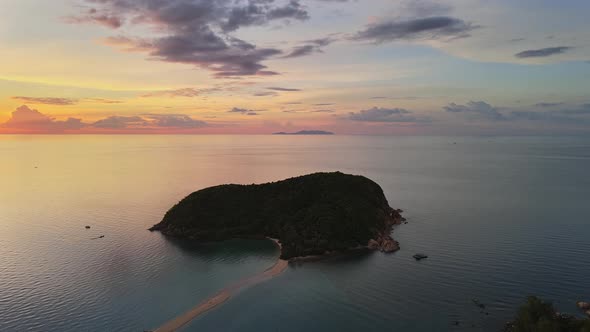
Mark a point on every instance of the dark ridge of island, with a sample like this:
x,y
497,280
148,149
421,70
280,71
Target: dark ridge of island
x,y
306,132
310,215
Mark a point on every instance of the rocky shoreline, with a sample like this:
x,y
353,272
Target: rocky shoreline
x,y
382,241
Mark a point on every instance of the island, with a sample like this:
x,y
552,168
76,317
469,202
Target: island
x,y
306,132
310,215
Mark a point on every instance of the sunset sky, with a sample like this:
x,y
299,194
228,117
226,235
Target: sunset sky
x,y
456,67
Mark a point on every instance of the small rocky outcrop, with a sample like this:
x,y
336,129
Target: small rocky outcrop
x,y
420,257
383,241
373,244
584,306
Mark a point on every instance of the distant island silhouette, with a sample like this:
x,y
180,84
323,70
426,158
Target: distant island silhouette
x,y
310,215
306,132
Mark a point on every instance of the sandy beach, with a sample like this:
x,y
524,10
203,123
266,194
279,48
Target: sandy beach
x,y
219,298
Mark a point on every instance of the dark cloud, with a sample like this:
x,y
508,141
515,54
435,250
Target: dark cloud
x,y
94,16
310,47
305,111
377,114
477,109
302,50
430,28
261,12
323,104
243,111
25,118
543,52
195,32
185,92
63,101
46,100
283,89
265,94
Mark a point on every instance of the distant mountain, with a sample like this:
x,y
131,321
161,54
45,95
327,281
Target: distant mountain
x,y
306,132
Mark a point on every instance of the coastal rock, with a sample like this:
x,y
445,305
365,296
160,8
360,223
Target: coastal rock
x,y
389,245
584,306
373,245
421,257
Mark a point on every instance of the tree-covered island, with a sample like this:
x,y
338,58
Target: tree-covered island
x,y
310,215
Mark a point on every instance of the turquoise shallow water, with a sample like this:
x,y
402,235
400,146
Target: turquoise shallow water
x,y
500,218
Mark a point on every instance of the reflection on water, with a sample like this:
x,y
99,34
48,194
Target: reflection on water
x,y
500,218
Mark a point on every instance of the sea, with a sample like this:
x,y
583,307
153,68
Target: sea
x,y
500,218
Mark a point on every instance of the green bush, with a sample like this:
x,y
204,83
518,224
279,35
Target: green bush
x,y
539,316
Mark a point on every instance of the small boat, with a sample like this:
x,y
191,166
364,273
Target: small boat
x,y
420,256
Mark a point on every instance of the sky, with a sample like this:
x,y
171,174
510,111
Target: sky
x,y
367,67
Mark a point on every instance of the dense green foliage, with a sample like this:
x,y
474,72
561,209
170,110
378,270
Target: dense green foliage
x,y
538,316
310,214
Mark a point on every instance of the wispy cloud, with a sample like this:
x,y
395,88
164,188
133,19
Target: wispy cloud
x,y
430,28
63,101
185,92
310,47
46,100
265,94
543,52
284,89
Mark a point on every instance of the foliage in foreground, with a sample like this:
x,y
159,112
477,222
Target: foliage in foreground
x,y
539,316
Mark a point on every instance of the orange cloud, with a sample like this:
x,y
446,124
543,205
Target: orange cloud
x,y
25,120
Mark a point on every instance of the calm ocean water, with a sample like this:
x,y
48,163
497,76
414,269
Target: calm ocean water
x,y
500,218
